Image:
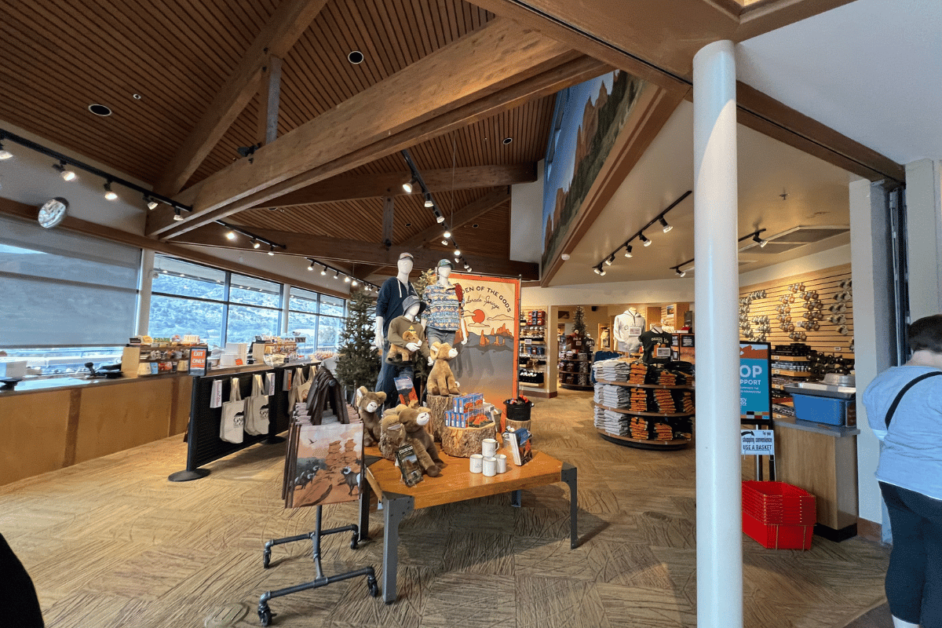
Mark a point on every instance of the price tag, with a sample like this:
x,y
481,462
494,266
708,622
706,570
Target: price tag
x,y
634,331
215,400
663,352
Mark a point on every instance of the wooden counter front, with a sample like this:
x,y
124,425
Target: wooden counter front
x,y
51,428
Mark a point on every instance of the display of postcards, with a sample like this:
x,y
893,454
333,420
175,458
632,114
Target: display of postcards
x,y
324,464
466,419
522,448
409,466
464,403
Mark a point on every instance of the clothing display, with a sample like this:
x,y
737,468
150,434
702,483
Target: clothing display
x,y
649,340
403,331
443,307
389,306
628,327
611,370
439,335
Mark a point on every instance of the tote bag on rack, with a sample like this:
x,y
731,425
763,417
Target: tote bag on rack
x,y
304,387
296,378
231,428
256,409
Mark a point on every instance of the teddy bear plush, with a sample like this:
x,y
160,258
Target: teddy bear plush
x,y
369,406
441,381
399,354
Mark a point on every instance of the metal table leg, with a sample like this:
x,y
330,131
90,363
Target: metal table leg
x,y
396,507
366,492
568,475
515,498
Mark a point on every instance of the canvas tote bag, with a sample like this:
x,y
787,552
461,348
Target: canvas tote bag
x,y
305,387
231,428
256,409
293,391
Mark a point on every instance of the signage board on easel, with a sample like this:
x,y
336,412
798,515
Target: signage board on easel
x,y
755,382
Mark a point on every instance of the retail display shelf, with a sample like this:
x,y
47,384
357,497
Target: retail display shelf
x,y
574,372
536,386
627,441
576,387
790,358
801,374
627,385
532,357
651,414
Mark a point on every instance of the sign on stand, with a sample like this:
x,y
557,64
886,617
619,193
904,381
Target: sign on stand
x,y
758,442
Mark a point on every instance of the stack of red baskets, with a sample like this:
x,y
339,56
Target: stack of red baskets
x,y
778,515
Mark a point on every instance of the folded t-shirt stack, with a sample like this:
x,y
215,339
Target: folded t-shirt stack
x,y
611,370
611,422
612,396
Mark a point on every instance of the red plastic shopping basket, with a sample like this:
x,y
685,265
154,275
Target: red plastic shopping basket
x,y
775,536
778,503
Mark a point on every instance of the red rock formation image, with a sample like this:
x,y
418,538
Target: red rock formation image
x,y
484,341
459,336
504,331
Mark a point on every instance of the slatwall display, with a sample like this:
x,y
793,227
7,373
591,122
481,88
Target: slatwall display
x,y
827,283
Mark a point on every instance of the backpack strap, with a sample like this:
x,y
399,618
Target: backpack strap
x,y
899,397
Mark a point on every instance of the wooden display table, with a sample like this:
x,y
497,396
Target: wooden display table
x,y
455,484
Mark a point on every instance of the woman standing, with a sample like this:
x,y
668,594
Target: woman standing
x,y
904,408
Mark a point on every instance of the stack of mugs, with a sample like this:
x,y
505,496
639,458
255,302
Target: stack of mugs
x,y
489,462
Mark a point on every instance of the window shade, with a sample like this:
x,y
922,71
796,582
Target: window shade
x,y
64,289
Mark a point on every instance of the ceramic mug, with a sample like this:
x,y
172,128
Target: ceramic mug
x,y
489,448
490,467
501,463
477,463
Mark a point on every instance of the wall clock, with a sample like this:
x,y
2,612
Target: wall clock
x,y
53,212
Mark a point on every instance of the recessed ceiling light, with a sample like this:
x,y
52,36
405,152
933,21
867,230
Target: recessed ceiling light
x,y
137,96
408,224
508,140
474,226
355,57
100,110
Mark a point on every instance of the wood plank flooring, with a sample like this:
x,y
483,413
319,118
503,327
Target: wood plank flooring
x,y
111,542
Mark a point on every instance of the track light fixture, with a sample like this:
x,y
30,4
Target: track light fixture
x,y
601,271
759,241
109,193
597,269
311,267
565,257
658,219
256,244
66,174
407,186
447,234
680,273
646,240
439,218
323,271
337,274
346,279
230,235
467,267
428,201
610,260
271,249
444,242
176,215
4,153
151,202
664,224
628,250
457,252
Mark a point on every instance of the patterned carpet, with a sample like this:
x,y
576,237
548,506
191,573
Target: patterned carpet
x,y
112,543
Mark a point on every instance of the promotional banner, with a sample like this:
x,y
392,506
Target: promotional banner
x,y
488,362
755,382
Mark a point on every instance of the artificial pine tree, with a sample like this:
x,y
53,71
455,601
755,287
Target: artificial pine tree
x,y
578,323
358,360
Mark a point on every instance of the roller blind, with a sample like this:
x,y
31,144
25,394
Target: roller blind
x,y
61,289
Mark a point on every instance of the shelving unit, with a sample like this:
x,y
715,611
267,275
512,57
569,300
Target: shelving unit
x,y
532,360
651,423
169,357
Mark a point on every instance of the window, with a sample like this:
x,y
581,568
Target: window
x,y
187,299
261,312
228,307
318,317
61,289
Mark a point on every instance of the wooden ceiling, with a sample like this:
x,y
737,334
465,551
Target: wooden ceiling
x,y
176,54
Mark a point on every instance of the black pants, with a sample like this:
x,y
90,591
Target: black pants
x,y
914,579
18,602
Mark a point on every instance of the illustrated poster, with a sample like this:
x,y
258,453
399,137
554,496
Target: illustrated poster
x,y
488,362
329,461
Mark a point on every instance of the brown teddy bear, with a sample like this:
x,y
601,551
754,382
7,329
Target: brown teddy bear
x,y
441,381
412,421
399,354
369,406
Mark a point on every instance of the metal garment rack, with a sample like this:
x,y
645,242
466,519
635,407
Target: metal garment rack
x,y
203,442
264,611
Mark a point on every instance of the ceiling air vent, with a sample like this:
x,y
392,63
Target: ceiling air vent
x,y
794,238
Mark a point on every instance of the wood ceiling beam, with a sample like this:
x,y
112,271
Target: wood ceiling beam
x,y
269,98
478,66
348,187
352,251
640,50
277,37
470,212
77,225
567,74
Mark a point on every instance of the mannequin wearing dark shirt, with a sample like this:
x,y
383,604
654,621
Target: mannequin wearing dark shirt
x,y
389,306
651,339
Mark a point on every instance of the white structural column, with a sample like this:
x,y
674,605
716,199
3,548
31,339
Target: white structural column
x,y
924,237
719,499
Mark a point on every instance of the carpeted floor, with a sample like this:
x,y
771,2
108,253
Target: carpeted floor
x,y
112,543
